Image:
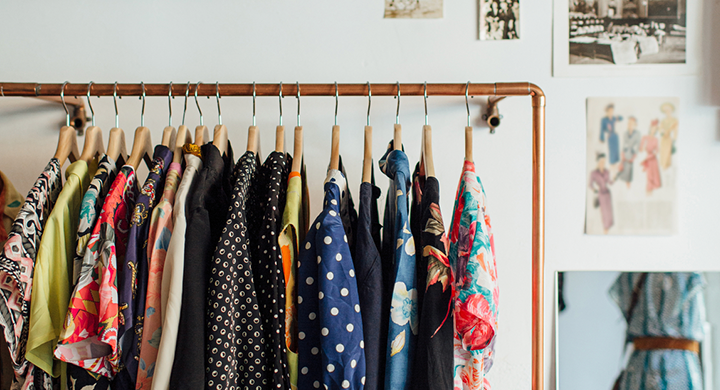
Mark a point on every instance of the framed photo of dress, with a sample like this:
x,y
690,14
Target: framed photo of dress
x,y
631,165
596,38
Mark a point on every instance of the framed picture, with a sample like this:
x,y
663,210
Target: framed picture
x,y
499,19
632,166
413,9
625,38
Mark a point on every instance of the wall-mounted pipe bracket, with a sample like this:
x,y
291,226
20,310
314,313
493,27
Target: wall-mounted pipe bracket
x,y
492,113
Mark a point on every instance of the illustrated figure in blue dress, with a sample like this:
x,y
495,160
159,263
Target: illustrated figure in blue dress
x,y
607,125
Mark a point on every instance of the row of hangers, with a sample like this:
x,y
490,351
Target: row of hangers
x,y
142,148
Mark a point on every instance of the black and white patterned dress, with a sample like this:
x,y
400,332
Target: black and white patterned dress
x,y
267,264
235,348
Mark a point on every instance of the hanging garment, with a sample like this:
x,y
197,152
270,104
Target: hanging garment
x,y
472,257
403,324
434,355
89,335
10,202
369,282
330,334
90,209
347,211
161,229
267,264
172,279
206,214
133,272
289,241
669,305
17,262
236,352
53,270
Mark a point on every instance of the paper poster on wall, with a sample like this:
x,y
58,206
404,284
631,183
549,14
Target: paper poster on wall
x,y
631,166
625,37
499,19
413,9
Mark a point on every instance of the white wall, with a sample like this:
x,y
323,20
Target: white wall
x,y
348,41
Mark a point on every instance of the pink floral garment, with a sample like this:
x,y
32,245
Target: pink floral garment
x,y
89,335
472,258
161,227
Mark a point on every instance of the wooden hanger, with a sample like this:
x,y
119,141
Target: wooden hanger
x,y
169,136
142,144
116,142
468,143
427,152
397,129
297,149
280,139
252,143
93,146
67,146
367,159
201,132
220,133
335,148
183,137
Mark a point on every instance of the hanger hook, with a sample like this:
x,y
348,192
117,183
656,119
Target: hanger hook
x,y
117,117
254,104
142,113
425,99
297,84
336,102
280,100
369,103
170,104
467,104
397,113
2,92
197,86
217,96
62,99
187,92
92,112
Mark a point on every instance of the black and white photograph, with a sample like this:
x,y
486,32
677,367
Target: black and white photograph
x,y
499,19
413,9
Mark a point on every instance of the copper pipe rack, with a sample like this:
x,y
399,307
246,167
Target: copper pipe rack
x,y
417,89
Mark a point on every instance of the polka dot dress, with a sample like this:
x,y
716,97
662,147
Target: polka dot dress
x,y
330,334
267,265
235,347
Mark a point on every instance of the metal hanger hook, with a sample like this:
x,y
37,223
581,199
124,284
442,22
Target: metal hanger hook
x,y
2,92
254,104
397,113
142,113
217,96
62,99
369,103
170,104
336,102
425,99
117,116
297,84
467,104
280,100
196,102
92,112
187,92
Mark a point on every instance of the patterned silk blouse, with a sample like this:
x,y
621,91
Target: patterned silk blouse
x,y
161,228
289,241
268,264
10,202
133,272
403,324
235,345
330,333
89,336
17,262
434,354
172,277
472,257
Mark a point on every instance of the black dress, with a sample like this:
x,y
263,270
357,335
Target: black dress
x,y
235,348
267,264
206,216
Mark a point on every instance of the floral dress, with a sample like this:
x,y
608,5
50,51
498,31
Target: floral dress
x,y
403,324
17,261
89,338
472,258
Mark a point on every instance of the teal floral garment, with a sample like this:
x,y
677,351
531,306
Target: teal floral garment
x,y
403,328
475,295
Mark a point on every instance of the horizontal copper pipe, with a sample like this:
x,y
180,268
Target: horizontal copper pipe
x,y
289,89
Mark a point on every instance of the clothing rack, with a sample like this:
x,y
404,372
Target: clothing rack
x,y
421,89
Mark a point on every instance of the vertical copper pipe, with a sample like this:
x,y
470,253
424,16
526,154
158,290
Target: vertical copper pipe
x,y
538,241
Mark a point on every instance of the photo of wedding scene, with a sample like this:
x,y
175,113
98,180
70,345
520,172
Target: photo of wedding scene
x,y
631,167
626,32
499,19
413,9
